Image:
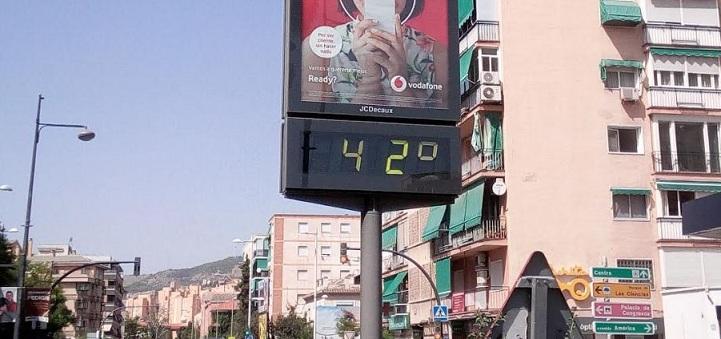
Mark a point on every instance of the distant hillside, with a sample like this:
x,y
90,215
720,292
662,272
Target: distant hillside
x,y
183,276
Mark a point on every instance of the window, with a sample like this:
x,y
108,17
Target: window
x,y
689,12
618,79
635,263
489,60
345,274
629,206
325,274
674,200
669,78
302,251
302,275
702,80
325,227
325,251
111,298
303,227
624,140
688,147
345,228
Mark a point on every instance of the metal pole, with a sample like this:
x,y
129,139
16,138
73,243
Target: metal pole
x,y
315,288
370,279
232,314
539,308
28,214
250,277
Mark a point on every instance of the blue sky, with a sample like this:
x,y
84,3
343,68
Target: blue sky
x,y
185,99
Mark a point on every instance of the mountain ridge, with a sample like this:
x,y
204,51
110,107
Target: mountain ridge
x,y
209,271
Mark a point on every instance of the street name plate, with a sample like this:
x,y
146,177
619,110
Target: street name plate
x,y
620,273
622,310
621,290
624,327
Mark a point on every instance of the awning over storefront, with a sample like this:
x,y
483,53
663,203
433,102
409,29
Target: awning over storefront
x,y
618,63
390,287
261,263
620,13
465,62
689,186
435,218
465,10
689,52
630,191
443,276
390,235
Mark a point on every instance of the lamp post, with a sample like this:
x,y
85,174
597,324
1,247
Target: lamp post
x,y
315,282
84,135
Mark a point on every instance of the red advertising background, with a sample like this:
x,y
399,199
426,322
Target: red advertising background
x,y
432,21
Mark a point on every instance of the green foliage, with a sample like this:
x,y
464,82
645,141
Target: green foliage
x,y
347,323
484,322
133,328
240,318
292,326
187,332
41,275
387,334
8,275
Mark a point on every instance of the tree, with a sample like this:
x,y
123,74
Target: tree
x,y
156,324
41,276
240,318
292,326
347,323
133,328
8,275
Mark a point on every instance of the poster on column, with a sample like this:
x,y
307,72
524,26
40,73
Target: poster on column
x,y
372,58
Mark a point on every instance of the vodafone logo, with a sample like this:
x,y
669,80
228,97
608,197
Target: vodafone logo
x,y
399,83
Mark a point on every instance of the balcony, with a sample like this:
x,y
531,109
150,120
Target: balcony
x,y
670,229
687,162
262,253
478,31
675,97
697,36
489,299
486,160
473,96
490,229
393,262
399,322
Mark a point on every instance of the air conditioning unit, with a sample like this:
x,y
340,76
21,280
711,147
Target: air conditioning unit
x,y
629,94
490,78
490,93
481,278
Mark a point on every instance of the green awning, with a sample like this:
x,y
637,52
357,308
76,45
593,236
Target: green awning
x,y
255,284
465,9
620,13
691,52
474,206
390,287
689,186
618,63
435,218
630,191
443,276
458,215
465,63
390,235
261,263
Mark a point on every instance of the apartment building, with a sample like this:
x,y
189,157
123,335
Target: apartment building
x,y
302,253
84,289
585,126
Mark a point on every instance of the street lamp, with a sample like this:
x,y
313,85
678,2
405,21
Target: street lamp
x,y
6,188
250,276
84,135
315,282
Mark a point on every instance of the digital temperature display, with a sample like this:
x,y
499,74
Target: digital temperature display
x,y
350,156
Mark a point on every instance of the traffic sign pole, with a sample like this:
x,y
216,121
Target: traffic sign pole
x,y
371,275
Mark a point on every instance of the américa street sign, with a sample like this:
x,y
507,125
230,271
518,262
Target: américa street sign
x,y
621,290
440,313
622,310
624,327
621,273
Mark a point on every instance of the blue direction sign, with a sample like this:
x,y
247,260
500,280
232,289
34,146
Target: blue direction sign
x,y
440,313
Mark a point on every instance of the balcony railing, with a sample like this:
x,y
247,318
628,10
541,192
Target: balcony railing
x,y
477,299
479,31
670,229
400,321
662,34
393,262
677,97
687,162
490,229
485,160
261,253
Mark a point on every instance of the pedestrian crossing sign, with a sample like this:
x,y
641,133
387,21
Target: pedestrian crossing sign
x,y
440,313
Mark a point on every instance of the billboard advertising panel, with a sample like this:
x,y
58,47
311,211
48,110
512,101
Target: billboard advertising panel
x,y
372,58
8,304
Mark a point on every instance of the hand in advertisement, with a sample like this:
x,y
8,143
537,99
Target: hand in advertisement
x,y
394,61
368,59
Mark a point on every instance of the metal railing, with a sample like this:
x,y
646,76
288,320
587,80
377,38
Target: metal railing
x,y
489,229
485,160
393,262
665,34
686,97
261,253
670,229
478,31
683,162
400,321
479,299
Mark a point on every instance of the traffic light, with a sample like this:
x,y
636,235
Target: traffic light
x,y
343,253
136,267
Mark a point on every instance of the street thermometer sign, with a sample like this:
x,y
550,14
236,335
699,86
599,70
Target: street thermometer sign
x,y
620,273
624,327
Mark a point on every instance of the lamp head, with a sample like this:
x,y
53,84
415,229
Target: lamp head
x,y
86,134
6,188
